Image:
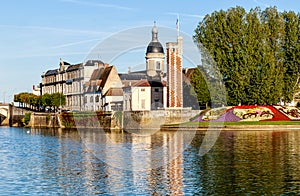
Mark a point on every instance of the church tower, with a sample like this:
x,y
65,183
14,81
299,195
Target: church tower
x,y
174,73
155,55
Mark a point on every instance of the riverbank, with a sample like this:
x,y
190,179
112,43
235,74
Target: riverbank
x,y
235,126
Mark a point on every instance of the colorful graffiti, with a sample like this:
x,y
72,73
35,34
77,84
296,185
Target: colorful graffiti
x,y
249,113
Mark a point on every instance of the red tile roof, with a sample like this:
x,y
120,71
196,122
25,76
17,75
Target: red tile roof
x,y
141,83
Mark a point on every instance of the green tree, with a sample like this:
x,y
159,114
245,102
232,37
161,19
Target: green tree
x,y
199,87
272,62
47,100
254,44
255,52
222,34
291,55
28,99
58,99
189,99
17,98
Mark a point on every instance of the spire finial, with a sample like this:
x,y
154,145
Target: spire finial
x,y
154,33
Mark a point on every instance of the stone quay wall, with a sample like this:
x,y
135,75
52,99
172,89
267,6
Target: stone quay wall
x,y
136,120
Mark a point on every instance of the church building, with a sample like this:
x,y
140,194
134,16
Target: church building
x,y
148,90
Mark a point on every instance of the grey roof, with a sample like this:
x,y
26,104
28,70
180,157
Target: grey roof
x,y
155,47
139,75
51,72
74,67
92,62
132,76
65,63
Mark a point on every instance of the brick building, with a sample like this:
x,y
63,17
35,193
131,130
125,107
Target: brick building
x,y
174,74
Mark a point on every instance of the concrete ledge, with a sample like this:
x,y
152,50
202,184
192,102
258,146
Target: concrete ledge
x,y
233,128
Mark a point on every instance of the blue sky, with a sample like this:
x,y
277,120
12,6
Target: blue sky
x,y
34,34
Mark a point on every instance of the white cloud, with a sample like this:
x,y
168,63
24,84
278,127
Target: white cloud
x,y
46,54
94,4
45,28
75,43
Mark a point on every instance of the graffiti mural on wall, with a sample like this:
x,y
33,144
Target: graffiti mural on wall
x,y
249,113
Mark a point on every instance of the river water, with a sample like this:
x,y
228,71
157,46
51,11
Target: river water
x,y
66,162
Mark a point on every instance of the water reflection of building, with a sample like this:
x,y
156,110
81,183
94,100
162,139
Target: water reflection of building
x,y
167,168
148,159
175,165
141,159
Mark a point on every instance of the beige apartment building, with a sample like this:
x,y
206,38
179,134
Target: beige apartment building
x,y
69,80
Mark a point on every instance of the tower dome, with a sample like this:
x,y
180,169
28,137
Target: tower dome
x,y
154,46
155,56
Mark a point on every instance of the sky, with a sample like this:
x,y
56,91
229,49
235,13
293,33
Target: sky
x,y
35,34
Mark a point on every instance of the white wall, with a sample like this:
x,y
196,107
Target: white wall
x,y
165,97
138,95
111,100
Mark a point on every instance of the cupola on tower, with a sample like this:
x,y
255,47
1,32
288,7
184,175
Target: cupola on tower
x,y
155,55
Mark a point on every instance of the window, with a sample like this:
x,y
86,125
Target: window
x,y
157,65
143,89
91,99
97,98
143,105
156,90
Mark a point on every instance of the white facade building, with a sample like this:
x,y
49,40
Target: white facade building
x,y
145,95
69,80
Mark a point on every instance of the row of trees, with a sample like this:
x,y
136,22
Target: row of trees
x,y
35,102
257,53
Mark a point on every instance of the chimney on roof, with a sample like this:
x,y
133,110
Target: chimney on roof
x,y
186,70
106,65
